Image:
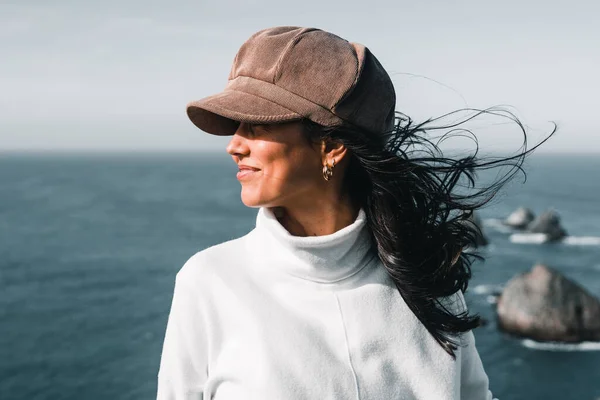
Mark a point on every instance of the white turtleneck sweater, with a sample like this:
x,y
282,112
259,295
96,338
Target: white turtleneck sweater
x,y
272,316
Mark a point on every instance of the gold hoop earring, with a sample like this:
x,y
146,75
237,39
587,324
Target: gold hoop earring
x,y
328,170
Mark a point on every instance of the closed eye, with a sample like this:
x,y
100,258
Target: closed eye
x,y
256,129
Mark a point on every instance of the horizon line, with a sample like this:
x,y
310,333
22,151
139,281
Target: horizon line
x,y
216,151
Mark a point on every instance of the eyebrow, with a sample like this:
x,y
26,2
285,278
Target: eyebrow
x,y
264,127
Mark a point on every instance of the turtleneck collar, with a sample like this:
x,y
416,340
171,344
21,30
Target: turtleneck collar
x,y
323,259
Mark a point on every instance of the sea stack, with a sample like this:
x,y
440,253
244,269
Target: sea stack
x,y
520,218
544,305
548,223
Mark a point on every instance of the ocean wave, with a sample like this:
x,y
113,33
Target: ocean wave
x,y
555,346
582,240
539,238
529,238
488,289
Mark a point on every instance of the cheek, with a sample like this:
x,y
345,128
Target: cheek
x,y
296,175
290,168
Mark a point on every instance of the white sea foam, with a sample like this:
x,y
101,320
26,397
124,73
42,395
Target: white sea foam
x,y
555,346
491,299
530,238
539,238
487,289
582,240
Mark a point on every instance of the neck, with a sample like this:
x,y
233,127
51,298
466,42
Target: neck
x,y
316,219
325,258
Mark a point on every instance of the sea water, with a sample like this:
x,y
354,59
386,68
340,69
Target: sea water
x,y
90,245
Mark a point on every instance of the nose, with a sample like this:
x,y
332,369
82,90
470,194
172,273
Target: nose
x,y
238,146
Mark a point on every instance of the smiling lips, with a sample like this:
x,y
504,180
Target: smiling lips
x,y
246,172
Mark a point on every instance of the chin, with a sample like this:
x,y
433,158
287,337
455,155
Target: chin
x,y
251,200
251,204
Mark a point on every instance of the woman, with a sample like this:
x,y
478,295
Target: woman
x,y
350,286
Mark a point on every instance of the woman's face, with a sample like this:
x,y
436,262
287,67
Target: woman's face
x,y
278,167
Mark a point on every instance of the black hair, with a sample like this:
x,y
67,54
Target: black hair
x,y
419,205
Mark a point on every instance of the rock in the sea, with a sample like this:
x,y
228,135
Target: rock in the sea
x,y
520,218
546,306
548,223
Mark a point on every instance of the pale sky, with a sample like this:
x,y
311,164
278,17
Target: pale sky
x,y
116,74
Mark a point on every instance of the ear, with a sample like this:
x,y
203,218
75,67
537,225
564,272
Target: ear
x,y
332,150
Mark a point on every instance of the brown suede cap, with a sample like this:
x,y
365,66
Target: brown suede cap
x,y
285,74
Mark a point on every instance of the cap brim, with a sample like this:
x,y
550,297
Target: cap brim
x,y
221,113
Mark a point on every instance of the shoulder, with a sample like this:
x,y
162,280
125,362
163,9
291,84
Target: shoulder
x,y
212,261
